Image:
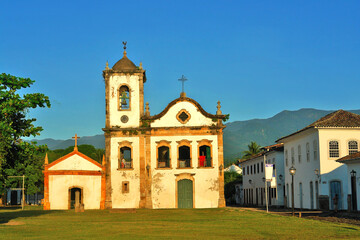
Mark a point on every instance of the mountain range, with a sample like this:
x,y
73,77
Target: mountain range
x,y
237,135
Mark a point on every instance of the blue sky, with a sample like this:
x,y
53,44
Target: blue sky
x,y
257,57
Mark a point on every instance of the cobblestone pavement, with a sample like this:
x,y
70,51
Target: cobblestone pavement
x,y
339,217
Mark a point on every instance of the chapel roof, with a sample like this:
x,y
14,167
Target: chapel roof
x,y
183,99
337,119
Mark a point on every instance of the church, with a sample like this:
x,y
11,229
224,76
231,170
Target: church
x,y
173,159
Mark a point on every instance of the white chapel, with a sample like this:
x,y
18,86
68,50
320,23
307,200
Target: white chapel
x,y
173,159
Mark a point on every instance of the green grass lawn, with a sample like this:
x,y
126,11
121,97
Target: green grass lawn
x,y
226,223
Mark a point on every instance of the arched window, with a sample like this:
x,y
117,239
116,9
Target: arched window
x,y
333,149
299,153
205,159
315,149
125,155
184,157
292,156
307,152
125,158
184,154
163,157
353,147
124,98
286,158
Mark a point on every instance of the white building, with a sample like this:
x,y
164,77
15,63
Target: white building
x,y
173,159
313,151
254,177
352,162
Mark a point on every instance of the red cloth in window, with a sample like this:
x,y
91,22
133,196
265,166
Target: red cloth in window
x,y
202,160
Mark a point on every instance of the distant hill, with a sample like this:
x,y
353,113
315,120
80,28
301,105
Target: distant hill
x,y
97,141
237,135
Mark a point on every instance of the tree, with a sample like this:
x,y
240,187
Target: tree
x,y
16,156
253,149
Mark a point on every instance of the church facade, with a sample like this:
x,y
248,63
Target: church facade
x,y
173,159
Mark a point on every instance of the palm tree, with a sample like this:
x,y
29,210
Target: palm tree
x,y
253,149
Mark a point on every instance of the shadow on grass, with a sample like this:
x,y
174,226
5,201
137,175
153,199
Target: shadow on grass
x,y
9,213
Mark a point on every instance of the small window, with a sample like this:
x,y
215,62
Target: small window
x,y
292,156
205,156
315,150
254,169
163,157
124,98
353,147
251,170
307,152
258,167
262,167
286,158
247,170
125,160
334,149
125,187
184,157
299,153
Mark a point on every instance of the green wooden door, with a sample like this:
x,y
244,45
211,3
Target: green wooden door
x,y
185,193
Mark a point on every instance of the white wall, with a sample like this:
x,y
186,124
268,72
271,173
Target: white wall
x,y
170,120
206,179
132,81
75,162
59,190
330,169
119,199
273,157
304,169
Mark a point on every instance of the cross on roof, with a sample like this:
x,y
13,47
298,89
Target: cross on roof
x,y
76,138
182,79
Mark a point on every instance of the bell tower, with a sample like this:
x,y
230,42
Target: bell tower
x,y
124,98
124,93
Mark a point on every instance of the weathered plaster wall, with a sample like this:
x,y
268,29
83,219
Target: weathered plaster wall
x,y
132,81
164,180
59,190
119,199
170,120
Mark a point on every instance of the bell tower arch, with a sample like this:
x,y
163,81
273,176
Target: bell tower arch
x,y
124,87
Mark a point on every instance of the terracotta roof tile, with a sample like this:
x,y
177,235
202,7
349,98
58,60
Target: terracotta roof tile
x,y
354,156
337,119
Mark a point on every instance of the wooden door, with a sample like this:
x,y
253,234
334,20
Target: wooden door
x,y
185,193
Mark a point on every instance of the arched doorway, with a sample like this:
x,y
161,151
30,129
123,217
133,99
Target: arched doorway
x,y
185,193
75,195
